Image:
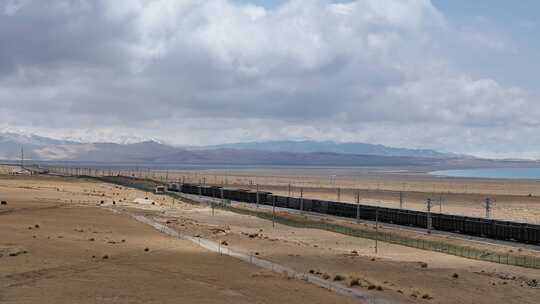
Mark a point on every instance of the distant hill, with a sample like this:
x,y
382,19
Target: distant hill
x,y
277,153
333,147
10,145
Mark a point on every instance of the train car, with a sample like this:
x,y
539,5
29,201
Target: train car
x,y
341,209
495,229
282,201
174,187
320,206
190,189
264,197
293,203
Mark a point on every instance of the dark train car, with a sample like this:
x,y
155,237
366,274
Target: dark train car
x,y
341,209
264,198
293,203
320,206
190,189
501,231
282,201
212,191
207,191
495,229
407,218
174,187
306,204
229,194
239,195
532,234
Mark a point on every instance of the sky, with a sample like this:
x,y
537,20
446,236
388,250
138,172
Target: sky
x,y
457,76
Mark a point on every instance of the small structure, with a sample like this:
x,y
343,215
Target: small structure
x,y
160,189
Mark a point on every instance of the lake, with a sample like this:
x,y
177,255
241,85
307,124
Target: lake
x,y
510,173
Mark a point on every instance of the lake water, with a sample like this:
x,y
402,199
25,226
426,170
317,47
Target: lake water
x,y
511,173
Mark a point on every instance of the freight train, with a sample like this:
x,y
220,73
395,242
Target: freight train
x,y
480,227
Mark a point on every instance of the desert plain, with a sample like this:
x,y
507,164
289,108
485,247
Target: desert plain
x,y
70,240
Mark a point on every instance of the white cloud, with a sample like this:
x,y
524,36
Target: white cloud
x,y
195,72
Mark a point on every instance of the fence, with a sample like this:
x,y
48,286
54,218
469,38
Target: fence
x,y
274,267
388,237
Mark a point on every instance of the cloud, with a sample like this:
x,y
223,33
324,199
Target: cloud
x,y
196,72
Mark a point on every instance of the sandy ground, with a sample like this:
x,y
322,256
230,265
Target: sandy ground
x,y
68,216
55,253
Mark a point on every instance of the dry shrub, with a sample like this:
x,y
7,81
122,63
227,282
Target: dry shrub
x,y
326,276
455,276
286,275
423,264
338,277
353,281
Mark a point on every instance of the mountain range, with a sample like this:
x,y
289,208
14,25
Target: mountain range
x,y
277,153
308,146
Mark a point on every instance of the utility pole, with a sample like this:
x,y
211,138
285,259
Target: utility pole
x,y
488,207
257,195
301,199
400,199
429,219
289,190
222,196
339,194
273,211
22,158
358,206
